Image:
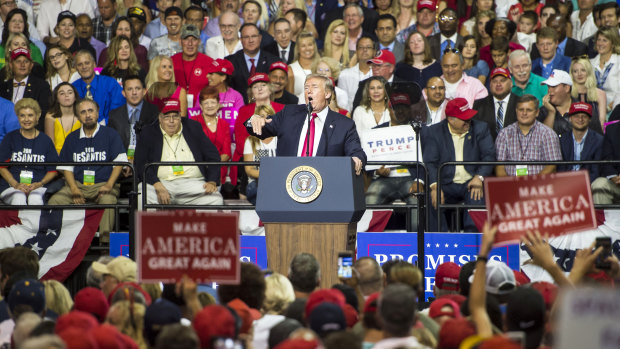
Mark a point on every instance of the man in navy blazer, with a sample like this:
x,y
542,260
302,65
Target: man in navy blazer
x,y
547,44
580,143
457,138
334,135
606,189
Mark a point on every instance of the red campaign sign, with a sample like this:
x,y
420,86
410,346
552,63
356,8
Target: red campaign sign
x,y
554,204
203,245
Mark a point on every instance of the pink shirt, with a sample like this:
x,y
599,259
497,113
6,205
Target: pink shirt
x,y
469,88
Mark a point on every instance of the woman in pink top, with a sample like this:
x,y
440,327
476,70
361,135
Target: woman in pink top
x,y
219,75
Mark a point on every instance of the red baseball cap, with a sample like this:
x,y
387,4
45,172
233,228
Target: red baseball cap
x,y
436,307
429,4
459,108
278,65
580,107
384,56
258,77
20,52
500,71
221,66
298,343
171,105
447,276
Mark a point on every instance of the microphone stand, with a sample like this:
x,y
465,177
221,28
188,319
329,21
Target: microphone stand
x,y
417,127
309,112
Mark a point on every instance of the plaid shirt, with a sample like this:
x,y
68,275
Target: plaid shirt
x,y
101,32
540,144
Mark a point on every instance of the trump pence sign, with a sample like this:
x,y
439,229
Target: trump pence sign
x,y
554,204
205,246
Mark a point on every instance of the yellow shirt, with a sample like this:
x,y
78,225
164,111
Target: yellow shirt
x,y
460,174
175,149
60,135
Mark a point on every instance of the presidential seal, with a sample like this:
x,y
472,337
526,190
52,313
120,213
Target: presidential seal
x,y
304,184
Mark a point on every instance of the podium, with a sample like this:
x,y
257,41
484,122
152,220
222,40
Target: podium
x,y
309,205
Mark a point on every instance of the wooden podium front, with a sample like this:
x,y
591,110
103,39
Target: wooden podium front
x,y
323,240
323,223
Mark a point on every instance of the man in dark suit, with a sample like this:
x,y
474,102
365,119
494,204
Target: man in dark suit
x,y
447,36
498,108
129,119
386,32
369,19
580,144
606,189
22,85
568,47
329,133
457,138
250,13
383,65
250,60
283,46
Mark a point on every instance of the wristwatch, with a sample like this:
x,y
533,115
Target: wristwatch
x,y
481,178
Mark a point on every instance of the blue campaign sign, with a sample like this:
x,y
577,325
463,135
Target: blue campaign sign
x,y
254,250
119,244
459,248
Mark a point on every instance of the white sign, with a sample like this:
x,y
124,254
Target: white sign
x,y
589,318
396,143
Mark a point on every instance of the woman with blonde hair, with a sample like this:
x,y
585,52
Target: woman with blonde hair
x,y
59,64
128,317
306,55
121,61
329,67
57,297
585,90
335,46
405,14
279,294
606,64
160,84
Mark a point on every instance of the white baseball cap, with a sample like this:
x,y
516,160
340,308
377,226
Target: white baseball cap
x,y
558,77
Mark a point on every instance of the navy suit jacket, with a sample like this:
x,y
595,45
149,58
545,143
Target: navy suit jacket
x,y
611,150
437,148
339,137
592,150
242,73
560,62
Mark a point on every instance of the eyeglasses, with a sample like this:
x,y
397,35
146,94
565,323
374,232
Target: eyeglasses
x,y
452,50
440,88
445,18
365,48
56,56
7,3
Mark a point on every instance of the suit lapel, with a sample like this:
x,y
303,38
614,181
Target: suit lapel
x,y
298,128
328,130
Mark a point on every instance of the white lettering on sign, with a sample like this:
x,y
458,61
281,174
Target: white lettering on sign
x,y
189,246
189,227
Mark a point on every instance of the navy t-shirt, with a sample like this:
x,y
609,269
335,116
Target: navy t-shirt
x,y
17,148
105,146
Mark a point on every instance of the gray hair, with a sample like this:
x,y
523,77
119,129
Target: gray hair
x,y
518,54
358,7
93,279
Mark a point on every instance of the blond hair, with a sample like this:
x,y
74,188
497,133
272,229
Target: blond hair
x,y
152,77
279,294
327,46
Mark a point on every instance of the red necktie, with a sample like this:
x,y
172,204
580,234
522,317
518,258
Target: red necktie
x,y
311,135
253,67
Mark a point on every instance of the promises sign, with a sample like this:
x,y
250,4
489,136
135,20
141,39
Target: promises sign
x,y
554,204
205,246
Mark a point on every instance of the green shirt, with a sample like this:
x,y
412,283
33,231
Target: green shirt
x,y
534,87
35,53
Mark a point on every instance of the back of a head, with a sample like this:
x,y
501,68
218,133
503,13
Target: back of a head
x,y
177,336
304,272
24,326
214,321
525,311
397,309
281,331
279,294
406,273
327,318
48,341
158,315
251,289
17,259
466,271
370,275
342,339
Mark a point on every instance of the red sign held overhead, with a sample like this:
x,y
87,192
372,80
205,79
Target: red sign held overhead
x,y
205,246
554,204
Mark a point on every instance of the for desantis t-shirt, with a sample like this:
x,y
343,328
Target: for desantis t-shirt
x,y
17,148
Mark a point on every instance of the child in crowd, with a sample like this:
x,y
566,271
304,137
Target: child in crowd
x,y
528,22
254,150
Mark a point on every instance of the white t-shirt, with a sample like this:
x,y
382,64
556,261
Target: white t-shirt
x,y
263,150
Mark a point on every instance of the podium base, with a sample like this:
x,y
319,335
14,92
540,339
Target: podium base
x,y
323,240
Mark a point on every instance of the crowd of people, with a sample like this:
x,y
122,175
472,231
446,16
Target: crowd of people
x,y
481,304
502,80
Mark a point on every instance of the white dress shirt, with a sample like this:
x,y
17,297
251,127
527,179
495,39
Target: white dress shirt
x,y
319,122
349,81
581,32
216,48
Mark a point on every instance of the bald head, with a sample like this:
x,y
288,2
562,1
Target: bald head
x,y
370,275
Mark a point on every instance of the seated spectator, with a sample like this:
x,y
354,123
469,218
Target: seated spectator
x,y
17,24
251,12
212,28
606,189
185,142
499,52
26,185
472,66
580,144
84,27
283,46
195,15
138,18
447,38
161,85
557,104
543,143
219,75
228,42
350,78
122,61
306,54
329,67
49,11
67,35
584,88
215,127
254,150
550,60
14,42
60,119
123,27
91,143
168,44
526,36
568,47
102,89
59,66
189,65
468,24
606,64
157,27
499,27
21,84
498,108
418,64
435,92
457,138
104,20
279,74
336,44
426,20
524,81
458,84
583,21
374,108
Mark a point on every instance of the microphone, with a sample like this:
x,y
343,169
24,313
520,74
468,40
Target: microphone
x,y
309,105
